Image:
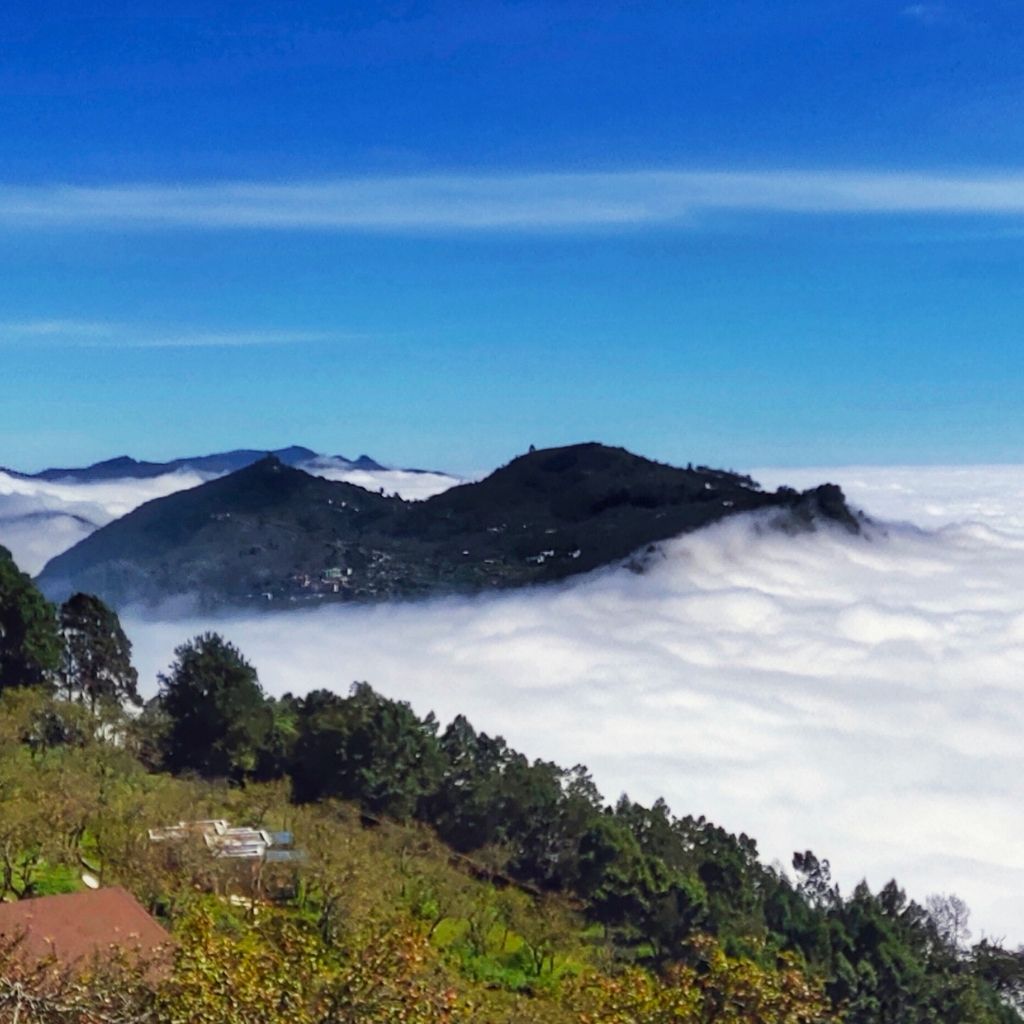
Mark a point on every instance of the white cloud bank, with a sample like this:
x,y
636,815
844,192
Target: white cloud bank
x,y
40,518
863,697
413,485
473,202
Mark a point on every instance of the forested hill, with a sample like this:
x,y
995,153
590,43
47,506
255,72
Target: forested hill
x,y
428,875
271,533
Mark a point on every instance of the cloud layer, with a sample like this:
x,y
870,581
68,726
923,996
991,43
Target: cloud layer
x,y
858,696
413,485
528,202
40,519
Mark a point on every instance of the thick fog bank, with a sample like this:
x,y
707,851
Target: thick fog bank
x,y
42,518
930,496
413,485
863,697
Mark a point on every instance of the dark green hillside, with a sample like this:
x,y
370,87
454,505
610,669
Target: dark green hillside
x,y
233,538
605,503
270,533
29,645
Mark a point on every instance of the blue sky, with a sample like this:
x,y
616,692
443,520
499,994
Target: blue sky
x,y
740,233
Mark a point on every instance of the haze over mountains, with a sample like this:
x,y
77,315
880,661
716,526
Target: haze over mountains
x,y
270,532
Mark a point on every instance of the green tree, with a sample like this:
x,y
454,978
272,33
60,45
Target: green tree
x,y
365,748
490,795
815,880
676,909
274,757
29,641
614,874
1002,969
96,666
218,719
467,807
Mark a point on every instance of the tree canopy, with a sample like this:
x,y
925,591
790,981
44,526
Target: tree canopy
x,y
217,711
30,647
96,665
365,748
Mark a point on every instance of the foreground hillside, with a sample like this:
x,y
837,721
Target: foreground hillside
x,y
436,875
272,533
381,923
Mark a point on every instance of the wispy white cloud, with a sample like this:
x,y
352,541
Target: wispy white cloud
x,y
80,329
230,339
927,13
527,202
93,334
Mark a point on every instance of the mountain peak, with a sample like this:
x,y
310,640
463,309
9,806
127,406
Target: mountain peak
x,y
271,532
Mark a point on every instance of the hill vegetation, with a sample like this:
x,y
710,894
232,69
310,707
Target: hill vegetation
x,y
270,533
445,878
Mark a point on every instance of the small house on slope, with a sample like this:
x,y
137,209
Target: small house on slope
x,y
77,927
252,863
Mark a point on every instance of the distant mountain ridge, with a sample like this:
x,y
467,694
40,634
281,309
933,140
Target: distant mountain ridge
x,y
271,533
124,467
43,514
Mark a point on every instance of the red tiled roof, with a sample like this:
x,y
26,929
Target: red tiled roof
x,y
75,926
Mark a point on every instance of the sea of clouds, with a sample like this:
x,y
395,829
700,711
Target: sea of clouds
x,y
859,696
